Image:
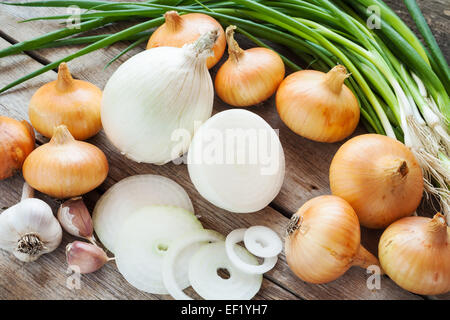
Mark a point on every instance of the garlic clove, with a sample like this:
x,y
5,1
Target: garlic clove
x,y
84,257
76,219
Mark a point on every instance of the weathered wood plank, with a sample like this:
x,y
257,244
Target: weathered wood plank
x,y
351,286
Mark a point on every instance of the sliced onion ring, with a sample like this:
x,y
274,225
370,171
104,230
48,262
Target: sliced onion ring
x,y
231,241
128,196
204,277
263,242
175,250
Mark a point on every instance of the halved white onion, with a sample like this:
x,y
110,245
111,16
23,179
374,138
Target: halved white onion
x,y
129,195
232,248
173,257
144,240
263,242
236,161
204,277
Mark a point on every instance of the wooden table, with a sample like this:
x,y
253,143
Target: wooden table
x,y
306,177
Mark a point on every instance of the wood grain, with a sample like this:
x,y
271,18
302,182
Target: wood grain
x,y
307,167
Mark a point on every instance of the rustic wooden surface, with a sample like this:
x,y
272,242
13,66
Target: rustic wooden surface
x,y
306,177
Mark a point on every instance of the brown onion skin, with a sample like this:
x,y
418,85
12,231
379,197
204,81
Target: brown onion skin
x,y
327,241
308,106
16,143
250,76
379,177
415,254
74,103
65,167
180,30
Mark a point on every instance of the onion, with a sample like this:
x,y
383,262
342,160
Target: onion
x,y
204,277
144,240
65,167
232,250
236,161
379,177
323,241
317,105
128,196
171,259
74,103
153,102
179,30
16,143
250,76
263,242
415,253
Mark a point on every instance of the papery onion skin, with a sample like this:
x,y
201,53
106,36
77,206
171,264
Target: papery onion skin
x,y
250,76
16,143
415,254
64,167
74,103
379,177
318,106
325,241
179,30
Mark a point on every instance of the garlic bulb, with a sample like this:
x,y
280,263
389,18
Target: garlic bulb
x,y
153,102
29,229
415,254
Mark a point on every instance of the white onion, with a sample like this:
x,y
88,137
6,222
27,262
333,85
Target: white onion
x,y
204,278
129,195
173,257
144,240
263,242
232,250
236,161
153,101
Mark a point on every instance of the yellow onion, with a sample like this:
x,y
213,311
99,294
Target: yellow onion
x,y
16,143
379,177
179,30
65,167
74,103
415,253
323,241
317,105
248,76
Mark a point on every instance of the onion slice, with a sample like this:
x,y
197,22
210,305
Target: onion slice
x,y
145,239
236,161
263,242
128,196
173,257
231,247
204,277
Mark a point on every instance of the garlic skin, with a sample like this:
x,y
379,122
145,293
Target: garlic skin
x,y
187,28
379,177
85,257
415,254
74,103
167,91
323,241
65,167
16,143
29,230
75,218
250,76
317,105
